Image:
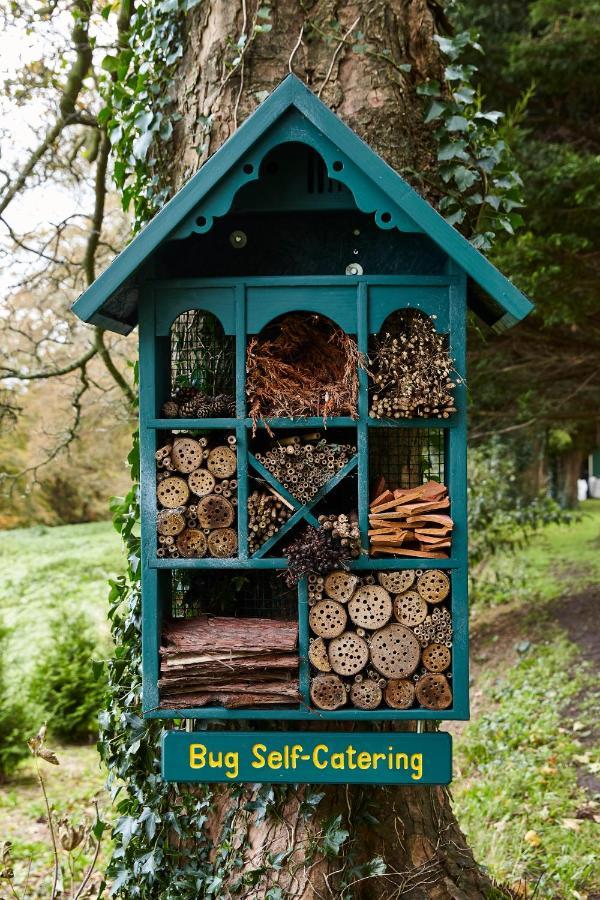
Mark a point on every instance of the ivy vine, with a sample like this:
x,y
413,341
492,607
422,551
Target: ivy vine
x,y
482,190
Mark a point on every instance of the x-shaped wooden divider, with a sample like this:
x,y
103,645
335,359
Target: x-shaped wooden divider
x,y
302,511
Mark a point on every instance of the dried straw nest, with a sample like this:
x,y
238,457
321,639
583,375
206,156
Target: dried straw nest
x,y
303,365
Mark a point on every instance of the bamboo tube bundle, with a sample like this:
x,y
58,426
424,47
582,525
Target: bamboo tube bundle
x,y
412,522
227,661
197,497
267,512
303,469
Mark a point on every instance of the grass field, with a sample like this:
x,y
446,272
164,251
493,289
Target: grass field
x,y
527,767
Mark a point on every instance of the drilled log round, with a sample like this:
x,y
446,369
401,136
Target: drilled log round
x,y
327,618
191,543
436,657
169,522
317,654
370,607
433,586
396,582
215,511
400,693
222,462
410,608
433,692
172,492
201,482
366,695
327,692
186,454
395,651
340,585
222,542
348,653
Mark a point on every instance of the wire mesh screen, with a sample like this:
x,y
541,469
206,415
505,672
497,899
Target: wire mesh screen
x,y
259,595
202,355
406,457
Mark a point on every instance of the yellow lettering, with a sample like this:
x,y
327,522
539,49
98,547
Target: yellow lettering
x,y
376,758
197,756
364,760
257,751
337,761
416,764
315,756
215,760
274,759
401,761
351,754
232,764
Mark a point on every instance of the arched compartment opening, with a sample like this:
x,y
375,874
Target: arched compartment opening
x,y
302,364
411,371
202,368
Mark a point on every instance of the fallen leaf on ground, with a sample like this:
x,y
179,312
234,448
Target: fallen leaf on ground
x,y
571,824
533,838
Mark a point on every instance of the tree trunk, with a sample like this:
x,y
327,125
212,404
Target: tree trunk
x,y
411,828
569,471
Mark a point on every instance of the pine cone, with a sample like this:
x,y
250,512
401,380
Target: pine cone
x,y
170,409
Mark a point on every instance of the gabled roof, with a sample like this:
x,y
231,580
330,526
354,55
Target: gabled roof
x,y
292,112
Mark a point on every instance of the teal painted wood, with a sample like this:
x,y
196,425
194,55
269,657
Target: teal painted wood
x,y
431,300
151,613
218,300
241,432
292,112
193,424
277,757
337,302
456,479
308,422
303,642
363,414
432,422
232,563
285,714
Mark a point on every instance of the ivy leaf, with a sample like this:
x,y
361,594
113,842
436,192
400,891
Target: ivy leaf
x,y
143,121
428,89
434,111
334,836
110,63
452,150
464,177
456,217
126,826
493,115
149,819
119,880
141,145
464,94
457,123
454,73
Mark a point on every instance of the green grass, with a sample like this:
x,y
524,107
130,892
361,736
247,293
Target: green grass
x,y
517,795
46,572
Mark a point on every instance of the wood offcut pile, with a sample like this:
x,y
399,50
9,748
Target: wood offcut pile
x,y
228,662
304,365
412,522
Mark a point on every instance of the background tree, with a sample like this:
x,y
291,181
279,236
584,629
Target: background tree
x,y
380,66
545,51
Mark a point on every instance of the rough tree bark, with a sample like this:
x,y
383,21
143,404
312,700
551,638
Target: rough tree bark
x,y
417,836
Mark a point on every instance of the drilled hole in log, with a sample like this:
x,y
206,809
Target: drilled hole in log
x,y
410,608
366,695
201,482
328,692
317,654
215,511
370,607
340,586
222,542
327,618
172,492
433,692
433,586
400,693
170,522
186,454
396,582
191,543
348,653
395,651
222,462
436,657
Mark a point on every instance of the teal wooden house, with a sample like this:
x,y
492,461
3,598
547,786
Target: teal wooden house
x,y
294,214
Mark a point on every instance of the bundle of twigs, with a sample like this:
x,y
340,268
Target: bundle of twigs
x,y
302,366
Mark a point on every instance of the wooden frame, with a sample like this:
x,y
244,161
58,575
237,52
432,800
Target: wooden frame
x,y
374,299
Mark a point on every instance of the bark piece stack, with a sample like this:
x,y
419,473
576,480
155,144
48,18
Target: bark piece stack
x,y
413,522
228,662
